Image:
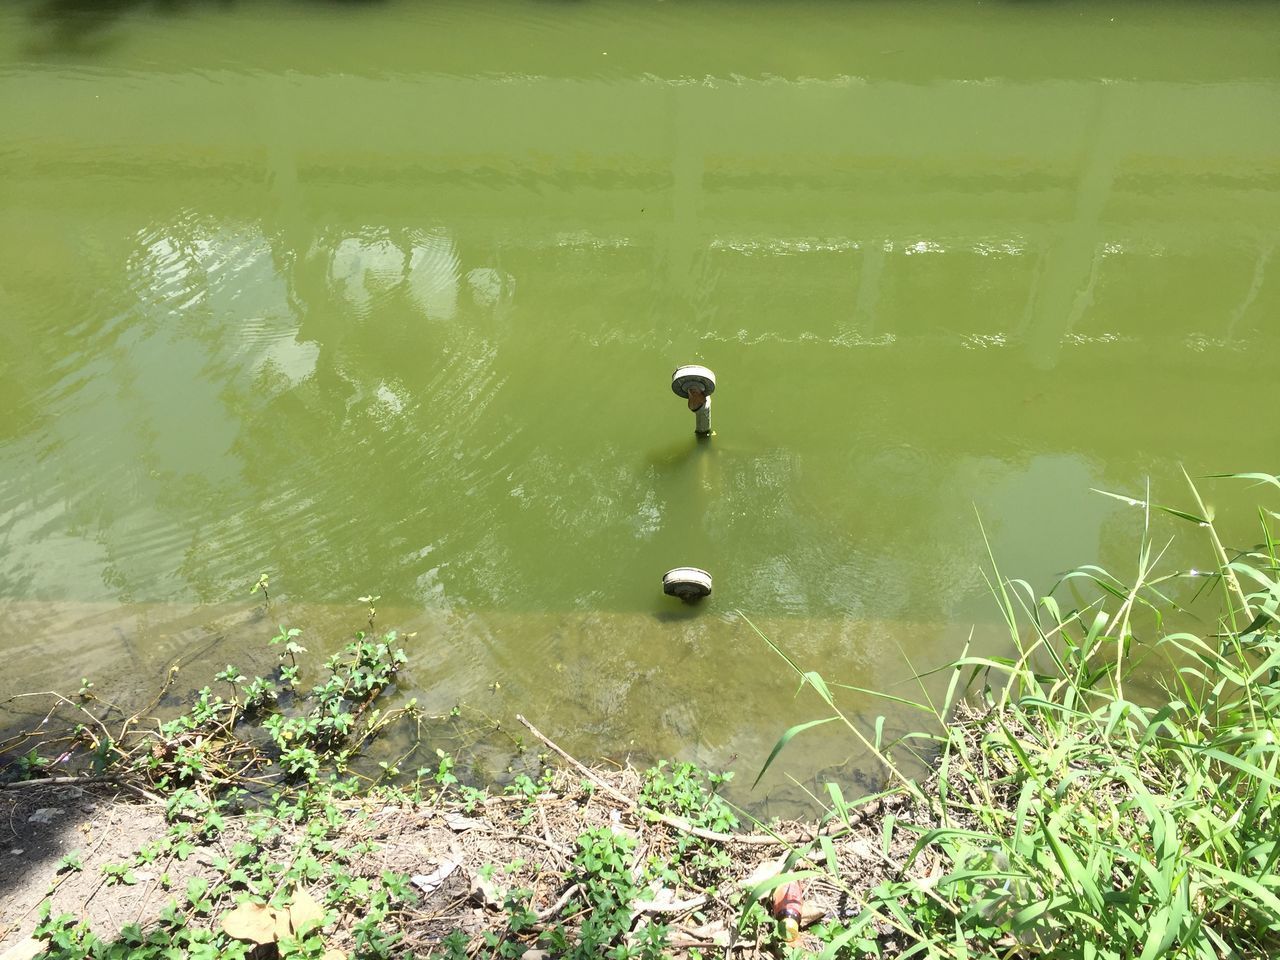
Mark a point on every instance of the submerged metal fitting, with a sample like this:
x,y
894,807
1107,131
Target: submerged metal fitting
x,y
696,383
687,583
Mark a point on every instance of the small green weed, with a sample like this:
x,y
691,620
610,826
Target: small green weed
x,y
684,790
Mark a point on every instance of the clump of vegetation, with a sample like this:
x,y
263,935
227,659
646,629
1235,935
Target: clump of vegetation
x,y
683,790
1070,819
209,764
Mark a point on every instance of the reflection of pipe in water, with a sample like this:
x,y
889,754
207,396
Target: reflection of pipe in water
x,y
696,384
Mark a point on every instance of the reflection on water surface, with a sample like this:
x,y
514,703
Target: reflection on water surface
x,y
386,300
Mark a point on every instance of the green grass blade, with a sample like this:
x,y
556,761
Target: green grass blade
x,y
785,739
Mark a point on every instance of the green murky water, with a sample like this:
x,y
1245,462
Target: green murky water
x,y
385,297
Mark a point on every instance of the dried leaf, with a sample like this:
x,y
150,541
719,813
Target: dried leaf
x,y
24,950
930,880
251,921
428,883
664,897
304,912
459,824
863,848
332,954
766,871
487,892
281,918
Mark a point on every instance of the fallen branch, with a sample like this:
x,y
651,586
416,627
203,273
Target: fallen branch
x,y
585,771
532,838
555,908
56,782
81,781
678,906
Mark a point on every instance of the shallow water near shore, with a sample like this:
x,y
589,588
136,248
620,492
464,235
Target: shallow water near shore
x,y
624,688
385,299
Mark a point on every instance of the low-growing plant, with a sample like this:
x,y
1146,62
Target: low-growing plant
x,y
684,790
71,863
28,766
202,760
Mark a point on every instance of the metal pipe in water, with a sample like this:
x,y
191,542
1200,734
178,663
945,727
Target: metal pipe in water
x,y
696,383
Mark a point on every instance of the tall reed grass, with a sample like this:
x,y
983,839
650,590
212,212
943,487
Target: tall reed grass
x,y
1072,817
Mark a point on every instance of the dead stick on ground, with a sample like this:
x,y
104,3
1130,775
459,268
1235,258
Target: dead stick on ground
x,y
532,838
678,823
682,906
546,828
56,782
78,781
585,771
555,908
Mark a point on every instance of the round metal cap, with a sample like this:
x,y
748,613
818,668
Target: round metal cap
x,y
687,583
692,375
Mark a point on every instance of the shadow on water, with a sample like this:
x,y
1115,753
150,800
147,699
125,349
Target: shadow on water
x,y
83,27
677,455
679,612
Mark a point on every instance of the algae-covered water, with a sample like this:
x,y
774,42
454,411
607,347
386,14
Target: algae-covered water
x,y
385,298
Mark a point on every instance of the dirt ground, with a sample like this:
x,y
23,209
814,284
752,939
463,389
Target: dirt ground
x,y
444,846
43,824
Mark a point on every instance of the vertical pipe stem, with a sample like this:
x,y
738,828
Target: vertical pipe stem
x,y
702,419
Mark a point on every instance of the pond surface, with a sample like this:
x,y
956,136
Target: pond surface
x,y
385,298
